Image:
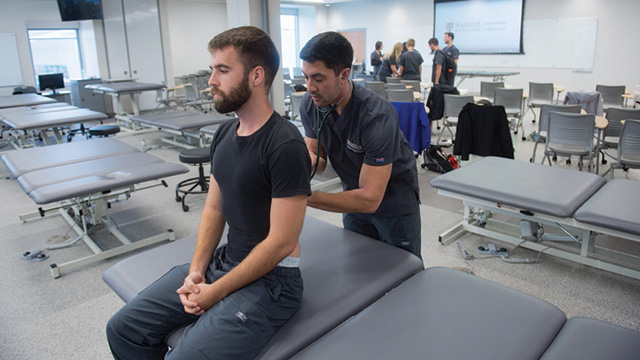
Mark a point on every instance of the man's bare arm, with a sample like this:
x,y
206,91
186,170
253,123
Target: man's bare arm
x,y
312,146
438,73
287,215
366,199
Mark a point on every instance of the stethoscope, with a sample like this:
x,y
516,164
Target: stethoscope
x,y
324,114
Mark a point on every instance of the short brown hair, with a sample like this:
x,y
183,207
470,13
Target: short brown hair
x,y
411,43
254,48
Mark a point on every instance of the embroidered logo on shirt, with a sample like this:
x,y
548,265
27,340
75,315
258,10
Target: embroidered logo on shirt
x,y
354,147
242,316
379,160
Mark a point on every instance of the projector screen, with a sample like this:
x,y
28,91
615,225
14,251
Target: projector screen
x,y
480,26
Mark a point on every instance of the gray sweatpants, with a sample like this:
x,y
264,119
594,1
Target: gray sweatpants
x,y
237,327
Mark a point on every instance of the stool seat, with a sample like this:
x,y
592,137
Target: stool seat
x,y
195,156
104,130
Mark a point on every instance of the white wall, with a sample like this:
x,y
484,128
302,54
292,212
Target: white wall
x,y
615,62
191,24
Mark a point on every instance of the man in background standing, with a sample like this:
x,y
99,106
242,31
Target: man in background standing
x,y
437,73
411,63
451,50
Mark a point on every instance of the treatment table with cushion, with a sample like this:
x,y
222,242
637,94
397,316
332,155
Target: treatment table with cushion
x,y
84,178
443,314
130,88
10,101
577,203
183,125
28,123
343,272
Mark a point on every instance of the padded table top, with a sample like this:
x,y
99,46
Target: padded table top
x,y
146,168
124,87
42,120
25,160
343,272
10,101
36,109
615,206
181,120
441,313
590,339
547,189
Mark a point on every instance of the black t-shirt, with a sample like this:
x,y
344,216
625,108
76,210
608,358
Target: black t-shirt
x,y
438,59
273,162
367,132
410,62
386,67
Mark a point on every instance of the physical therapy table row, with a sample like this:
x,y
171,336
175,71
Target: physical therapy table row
x,y
364,299
80,181
28,123
120,90
576,206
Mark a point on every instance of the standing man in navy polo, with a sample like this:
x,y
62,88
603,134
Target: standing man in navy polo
x,y
358,132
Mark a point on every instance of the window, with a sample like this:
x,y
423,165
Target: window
x,y
55,51
289,26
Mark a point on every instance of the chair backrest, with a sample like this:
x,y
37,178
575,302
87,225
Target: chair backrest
x,y
611,95
190,92
414,83
541,91
376,86
509,98
393,80
453,104
571,129
296,100
400,95
398,86
629,139
487,87
543,123
615,115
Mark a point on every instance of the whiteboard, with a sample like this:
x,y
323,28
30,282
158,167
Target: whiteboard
x,y
10,71
549,43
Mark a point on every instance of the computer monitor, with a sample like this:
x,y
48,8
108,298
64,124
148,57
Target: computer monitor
x,y
51,81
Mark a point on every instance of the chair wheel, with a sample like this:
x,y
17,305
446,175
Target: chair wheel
x,y
568,162
423,166
185,208
531,160
524,138
604,161
438,127
178,198
533,121
554,158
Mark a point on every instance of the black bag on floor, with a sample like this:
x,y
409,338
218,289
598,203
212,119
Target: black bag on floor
x,y
437,160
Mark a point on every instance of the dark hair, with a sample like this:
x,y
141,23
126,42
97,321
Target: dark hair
x,y
378,45
450,35
433,41
331,48
254,48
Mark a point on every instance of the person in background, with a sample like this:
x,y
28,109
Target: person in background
x,y
359,133
410,63
376,59
437,75
390,63
452,51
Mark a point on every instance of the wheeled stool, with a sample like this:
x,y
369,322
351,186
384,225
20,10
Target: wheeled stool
x,y
103,130
198,156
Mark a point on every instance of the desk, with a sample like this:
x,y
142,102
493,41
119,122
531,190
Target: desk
x,y
559,89
496,75
627,97
414,123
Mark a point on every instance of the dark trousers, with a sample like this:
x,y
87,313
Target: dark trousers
x,y
401,231
237,327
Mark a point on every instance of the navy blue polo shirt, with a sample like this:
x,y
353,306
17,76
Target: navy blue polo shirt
x,y
367,132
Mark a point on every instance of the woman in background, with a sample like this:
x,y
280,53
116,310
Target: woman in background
x,y
390,63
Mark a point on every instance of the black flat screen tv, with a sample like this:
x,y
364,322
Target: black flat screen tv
x,y
75,10
51,81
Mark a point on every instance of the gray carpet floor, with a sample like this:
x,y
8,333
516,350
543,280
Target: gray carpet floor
x,y
64,318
